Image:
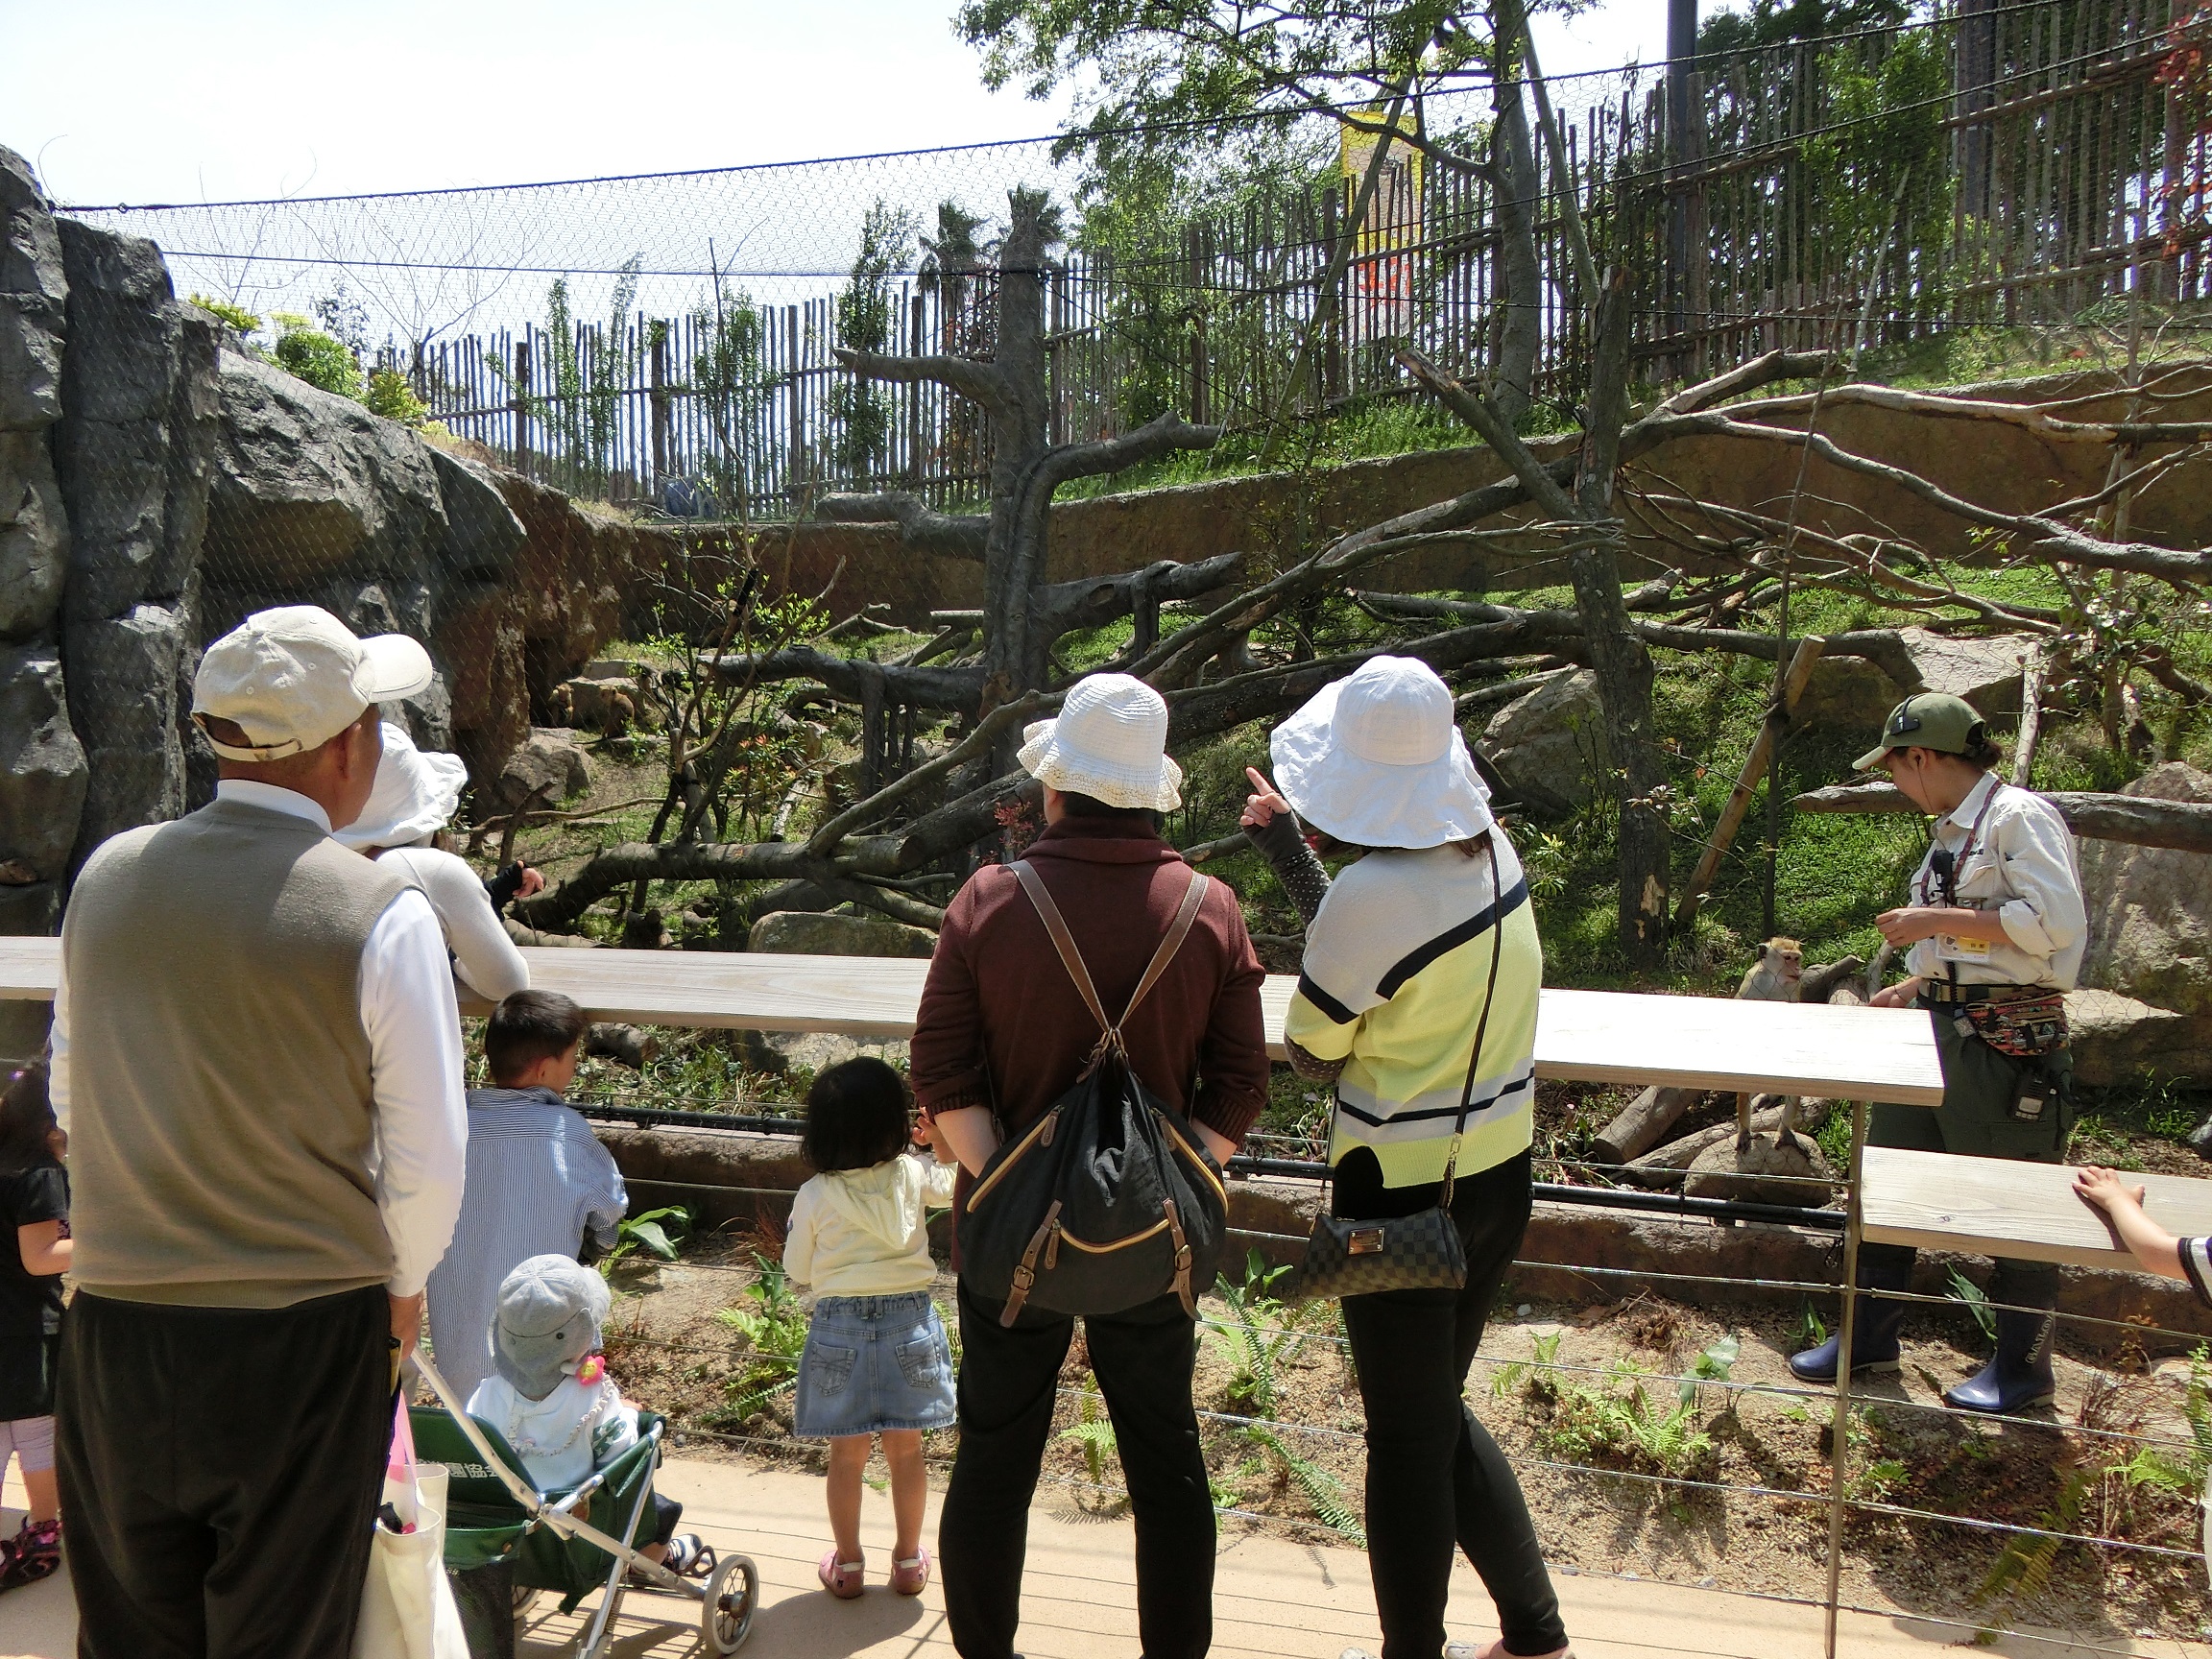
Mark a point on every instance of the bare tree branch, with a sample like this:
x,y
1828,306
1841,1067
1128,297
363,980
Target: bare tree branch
x,y
954,691
2140,820
924,529
981,382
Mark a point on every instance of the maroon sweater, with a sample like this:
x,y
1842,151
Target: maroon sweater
x,y
1001,1023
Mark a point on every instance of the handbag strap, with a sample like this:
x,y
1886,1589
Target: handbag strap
x,y
1064,942
1481,1025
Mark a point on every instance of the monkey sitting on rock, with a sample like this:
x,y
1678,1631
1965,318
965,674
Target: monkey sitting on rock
x,y
1777,976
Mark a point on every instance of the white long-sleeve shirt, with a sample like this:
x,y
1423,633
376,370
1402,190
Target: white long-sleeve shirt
x,y
414,1026
2020,863
484,957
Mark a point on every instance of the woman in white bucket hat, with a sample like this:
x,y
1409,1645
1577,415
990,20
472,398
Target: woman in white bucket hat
x,y
413,797
1391,995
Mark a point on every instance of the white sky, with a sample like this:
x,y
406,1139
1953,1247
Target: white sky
x,y
157,101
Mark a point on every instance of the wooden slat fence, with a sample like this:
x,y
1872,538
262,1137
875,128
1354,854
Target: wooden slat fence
x,y
2014,167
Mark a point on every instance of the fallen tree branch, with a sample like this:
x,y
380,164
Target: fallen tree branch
x,y
2138,820
949,690
977,742
922,527
984,382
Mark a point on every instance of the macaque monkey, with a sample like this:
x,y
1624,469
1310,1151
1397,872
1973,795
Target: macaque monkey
x,y
1773,979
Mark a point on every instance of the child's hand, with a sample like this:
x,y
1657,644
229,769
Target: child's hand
x,y
2101,1186
928,1134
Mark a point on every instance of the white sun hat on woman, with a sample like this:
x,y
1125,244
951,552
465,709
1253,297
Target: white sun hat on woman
x,y
1110,742
1377,760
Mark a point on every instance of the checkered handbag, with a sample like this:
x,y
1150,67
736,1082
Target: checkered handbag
x,y
1347,1256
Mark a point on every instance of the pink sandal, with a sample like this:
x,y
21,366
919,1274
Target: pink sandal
x,y
843,1579
909,1577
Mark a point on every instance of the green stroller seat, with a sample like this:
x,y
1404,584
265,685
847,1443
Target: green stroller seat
x,y
494,1514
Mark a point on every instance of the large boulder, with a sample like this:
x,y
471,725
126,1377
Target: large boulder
x,y
2116,1039
34,291
42,768
124,676
309,484
481,534
1550,744
1984,672
805,933
2151,909
33,534
548,767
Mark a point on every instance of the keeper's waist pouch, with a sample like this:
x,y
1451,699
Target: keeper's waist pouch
x,y
2021,1027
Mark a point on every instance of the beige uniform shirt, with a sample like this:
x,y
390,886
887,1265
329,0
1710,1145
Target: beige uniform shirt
x,y
2016,857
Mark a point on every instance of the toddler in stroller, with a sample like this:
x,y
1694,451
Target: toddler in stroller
x,y
551,1468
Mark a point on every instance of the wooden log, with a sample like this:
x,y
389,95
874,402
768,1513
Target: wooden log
x,y
1669,1164
1640,1128
626,1044
2138,820
1770,733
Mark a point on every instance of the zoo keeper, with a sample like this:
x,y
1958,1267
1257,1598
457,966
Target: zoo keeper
x,y
1993,935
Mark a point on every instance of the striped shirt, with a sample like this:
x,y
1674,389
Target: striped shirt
x,y
1392,983
2196,1264
537,1178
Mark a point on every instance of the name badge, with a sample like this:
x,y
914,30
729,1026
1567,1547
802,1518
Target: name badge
x,y
1955,949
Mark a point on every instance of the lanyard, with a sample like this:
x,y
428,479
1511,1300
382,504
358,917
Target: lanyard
x,y
1946,872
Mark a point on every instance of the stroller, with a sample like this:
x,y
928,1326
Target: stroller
x,y
494,1514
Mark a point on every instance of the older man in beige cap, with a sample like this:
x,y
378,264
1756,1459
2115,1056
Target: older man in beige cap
x,y
257,1056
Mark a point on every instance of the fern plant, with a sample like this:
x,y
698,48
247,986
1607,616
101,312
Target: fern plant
x,y
1322,1492
1259,1337
775,1328
1094,1431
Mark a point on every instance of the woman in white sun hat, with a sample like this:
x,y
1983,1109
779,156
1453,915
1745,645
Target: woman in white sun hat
x,y
1391,995
415,795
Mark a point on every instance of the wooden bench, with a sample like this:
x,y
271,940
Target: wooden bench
x,y
1593,1036
2001,1207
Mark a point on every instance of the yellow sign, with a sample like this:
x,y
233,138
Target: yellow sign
x,y
1379,304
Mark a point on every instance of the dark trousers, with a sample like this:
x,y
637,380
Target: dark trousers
x,y
1975,1122
1008,1384
221,1469
1435,1477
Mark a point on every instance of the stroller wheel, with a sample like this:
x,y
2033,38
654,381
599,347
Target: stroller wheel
x,y
733,1595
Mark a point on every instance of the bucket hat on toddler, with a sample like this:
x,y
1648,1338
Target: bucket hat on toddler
x,y
547,1323
416,794
1376,760
1110,742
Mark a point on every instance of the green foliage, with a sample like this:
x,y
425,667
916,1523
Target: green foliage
x,y
1259,1337
1713,1365
730,375
1093,1430
2181,1472
775,1328
868,320
314,357
389,394
658,1233
1323,1493
236,318
2023,1567
1618,1420
1977,1300
1544,1354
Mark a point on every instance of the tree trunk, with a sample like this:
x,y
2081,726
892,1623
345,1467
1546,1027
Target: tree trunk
x,y
1617,653
1013,556
1514,191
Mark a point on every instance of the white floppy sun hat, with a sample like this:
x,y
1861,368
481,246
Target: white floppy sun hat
x,y
1110,742
294,676
1376,760
416,794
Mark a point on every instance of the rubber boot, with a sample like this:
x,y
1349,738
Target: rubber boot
x,y
1874,1342
2018,1374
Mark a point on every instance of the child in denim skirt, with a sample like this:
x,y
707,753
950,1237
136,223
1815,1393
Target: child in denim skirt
x,y
877,1360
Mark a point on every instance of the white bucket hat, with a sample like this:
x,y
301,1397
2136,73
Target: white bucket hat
x,y
293,677
1376,760
415,795
1110,742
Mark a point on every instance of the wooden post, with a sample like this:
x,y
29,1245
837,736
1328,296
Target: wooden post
x,y
794,409
521,402
1196,264
917,449
1747,780
659,397
1839,1434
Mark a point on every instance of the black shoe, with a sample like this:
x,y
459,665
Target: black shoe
x,y
2018,1374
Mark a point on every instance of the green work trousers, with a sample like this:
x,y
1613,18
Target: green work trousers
x,y
1976,1121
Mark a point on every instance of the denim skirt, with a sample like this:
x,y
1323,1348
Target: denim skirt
x,y
872,1363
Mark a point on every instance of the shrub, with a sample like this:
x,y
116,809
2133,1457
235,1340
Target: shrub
x,y
235,317
390,395
316,359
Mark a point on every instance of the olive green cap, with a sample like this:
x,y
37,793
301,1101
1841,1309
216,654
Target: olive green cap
x,y
1926,720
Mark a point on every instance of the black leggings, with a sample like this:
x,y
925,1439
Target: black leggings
x,y
1434,1475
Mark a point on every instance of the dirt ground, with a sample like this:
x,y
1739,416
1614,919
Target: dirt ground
x,y
1618,1514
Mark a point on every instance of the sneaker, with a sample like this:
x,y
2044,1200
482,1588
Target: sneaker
x,y
34,1553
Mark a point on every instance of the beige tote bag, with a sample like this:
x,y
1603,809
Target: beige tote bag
x,y
407,1606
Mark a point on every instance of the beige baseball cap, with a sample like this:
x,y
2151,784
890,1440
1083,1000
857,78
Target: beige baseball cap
x,y
294,676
